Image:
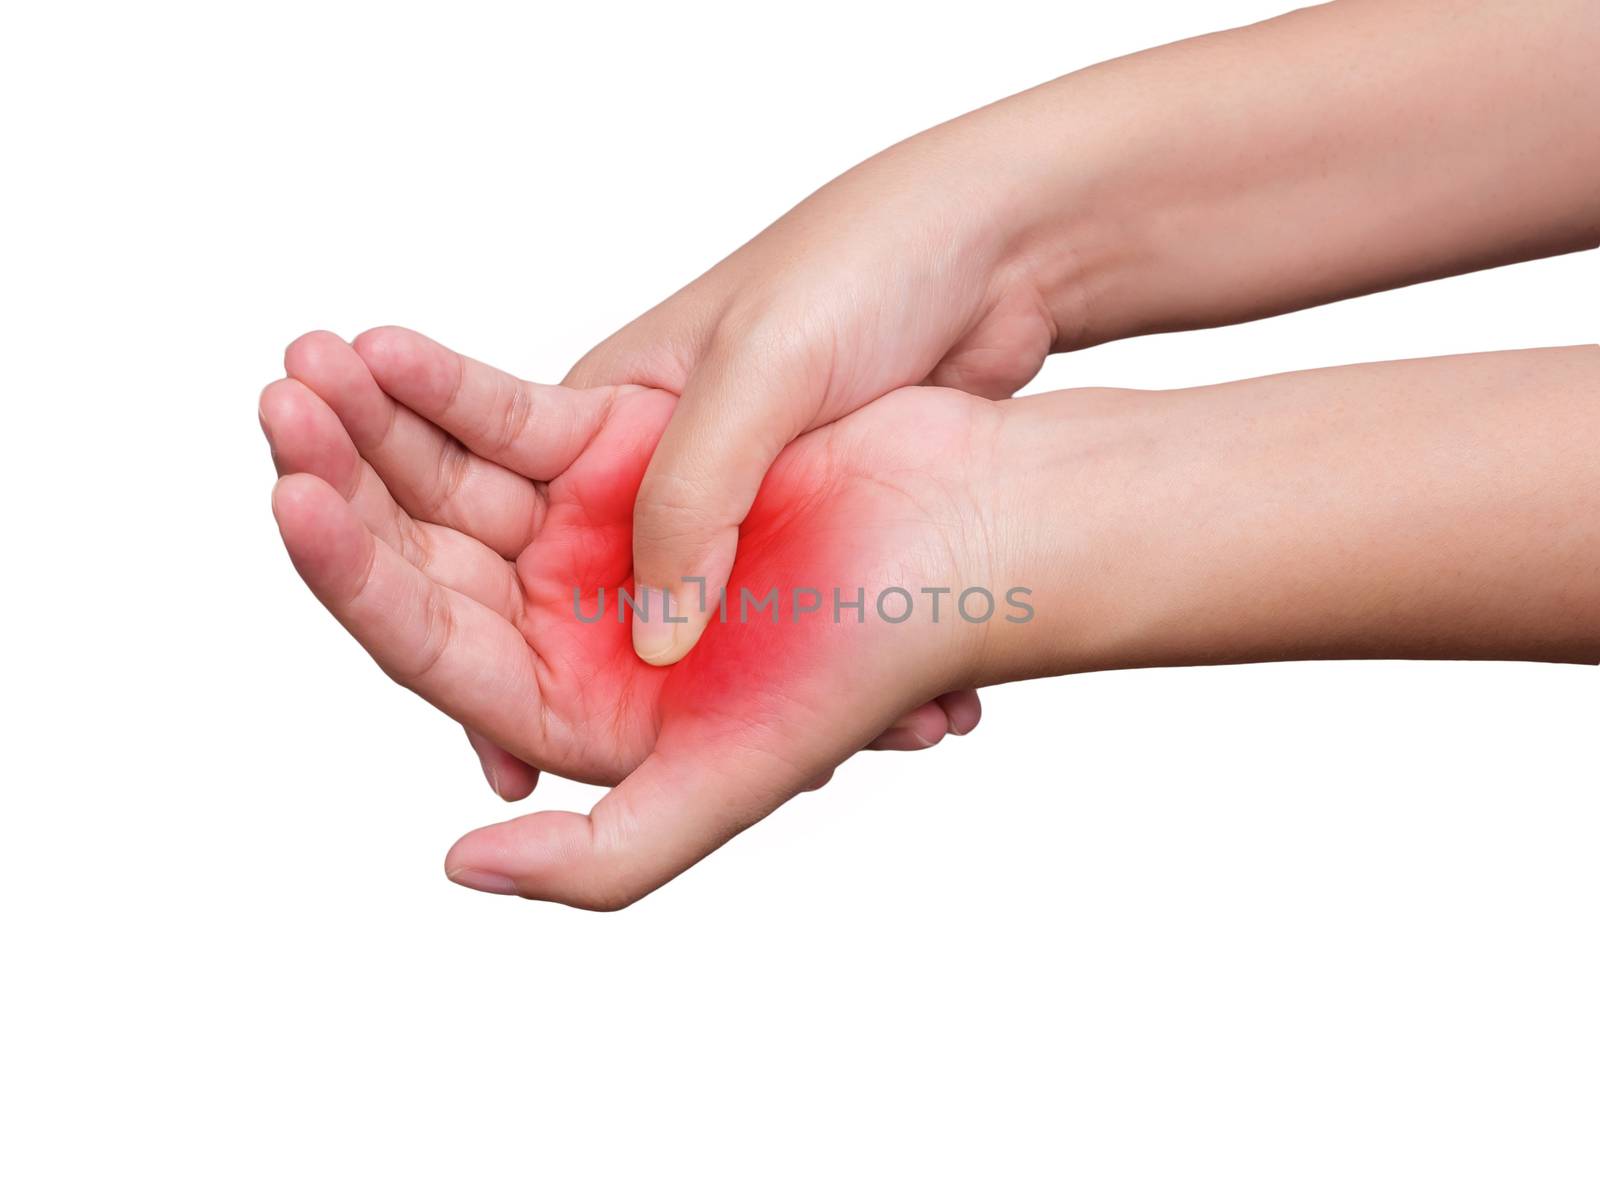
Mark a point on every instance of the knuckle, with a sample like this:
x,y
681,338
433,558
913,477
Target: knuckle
x,y
515,416
758,329
680,508
672,501
604,899
416,544
438,621
450,473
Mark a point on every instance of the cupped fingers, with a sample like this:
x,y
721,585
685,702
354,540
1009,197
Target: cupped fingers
x,y
452,651
307,438
429,472
536,430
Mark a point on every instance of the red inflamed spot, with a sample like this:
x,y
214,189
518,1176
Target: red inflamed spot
x,y
800,600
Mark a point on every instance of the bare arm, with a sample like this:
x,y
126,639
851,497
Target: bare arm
x,y
1336,150
1432,508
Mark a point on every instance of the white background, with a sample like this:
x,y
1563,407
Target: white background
x,y
1308,930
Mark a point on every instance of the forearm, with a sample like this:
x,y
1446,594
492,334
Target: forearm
x,y
1435,508
1333,151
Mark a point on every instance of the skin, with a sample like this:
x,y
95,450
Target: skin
x,y
1438,508
1171,189
496,506
459,574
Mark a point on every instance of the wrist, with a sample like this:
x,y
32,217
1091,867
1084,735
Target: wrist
x,y
1053,513
1068,221
1133,519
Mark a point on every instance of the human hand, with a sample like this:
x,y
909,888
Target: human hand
x,y
900,272
1170,189
1436,508
409,449
455,563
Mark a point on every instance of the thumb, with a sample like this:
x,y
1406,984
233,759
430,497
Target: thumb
x,y
668,815
736,414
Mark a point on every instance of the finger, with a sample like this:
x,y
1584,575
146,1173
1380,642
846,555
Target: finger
x,y
509,777
736,414
669,814
923,727
927,725
536,430
428,472
450,650
964,710
306,437
953,713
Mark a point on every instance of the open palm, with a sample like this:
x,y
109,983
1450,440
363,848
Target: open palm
x,y
468,528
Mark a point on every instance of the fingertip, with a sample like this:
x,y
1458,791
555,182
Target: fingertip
x,y
278,412
509,778
296,509
480,881
661,642
305,436
390,349
963,709
670,625
309,350
898,738
270,403
412,367
383,339
324,539
517,786
918,730
547,856
297,501
331,369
